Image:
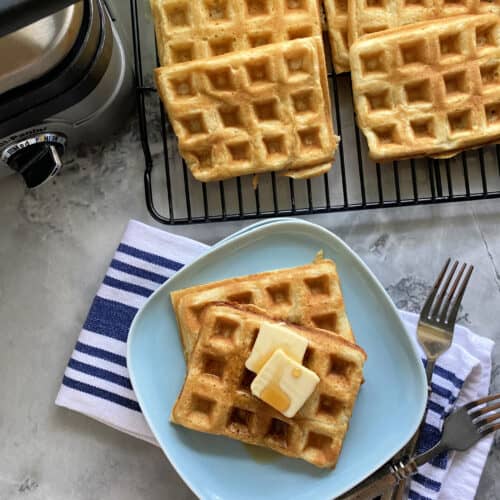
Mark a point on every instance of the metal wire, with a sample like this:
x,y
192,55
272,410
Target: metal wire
x,y
354,183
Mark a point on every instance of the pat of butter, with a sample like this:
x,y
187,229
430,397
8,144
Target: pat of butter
x,y
284,384
274,336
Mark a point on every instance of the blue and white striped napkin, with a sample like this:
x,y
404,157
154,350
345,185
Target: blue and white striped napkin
x,y
96,381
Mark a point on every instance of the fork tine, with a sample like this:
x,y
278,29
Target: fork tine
x,y
444,289
489,429
487,420
458,299
430,299
484,410
451,293
481,401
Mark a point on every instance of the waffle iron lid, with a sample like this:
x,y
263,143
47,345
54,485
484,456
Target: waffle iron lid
x,y
30,52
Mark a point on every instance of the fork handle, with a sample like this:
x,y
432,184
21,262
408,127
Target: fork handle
x,y
392,476
429,369
372,489
410,448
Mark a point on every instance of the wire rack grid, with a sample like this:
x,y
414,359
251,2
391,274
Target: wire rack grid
x,y
173,196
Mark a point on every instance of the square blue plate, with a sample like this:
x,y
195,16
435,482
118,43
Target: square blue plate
x,y
390,404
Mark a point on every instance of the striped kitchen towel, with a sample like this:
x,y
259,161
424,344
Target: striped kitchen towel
x,y
96,381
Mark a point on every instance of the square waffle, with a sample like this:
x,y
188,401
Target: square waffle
x,y
309,295
370,16
196,29
216,395
336,15
260,110
431,89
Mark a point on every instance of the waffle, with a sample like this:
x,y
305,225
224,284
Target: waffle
x,y
370,16
193,29
264,109
336,14
432,88
309,295
216,395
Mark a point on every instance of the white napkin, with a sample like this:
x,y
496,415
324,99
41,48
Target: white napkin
x,y
96,381
469,359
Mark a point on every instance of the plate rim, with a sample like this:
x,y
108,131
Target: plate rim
x,y
230,240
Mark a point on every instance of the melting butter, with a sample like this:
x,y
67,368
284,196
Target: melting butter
x,y
284,384
274,396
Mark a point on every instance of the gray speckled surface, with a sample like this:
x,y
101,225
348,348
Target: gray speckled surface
x,y
55,244
54,249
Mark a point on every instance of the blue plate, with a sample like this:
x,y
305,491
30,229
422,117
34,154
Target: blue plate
x,y
389,407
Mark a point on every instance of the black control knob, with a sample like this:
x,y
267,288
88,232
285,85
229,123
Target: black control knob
x,y
37,159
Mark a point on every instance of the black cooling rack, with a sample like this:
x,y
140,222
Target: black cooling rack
x,y
173,196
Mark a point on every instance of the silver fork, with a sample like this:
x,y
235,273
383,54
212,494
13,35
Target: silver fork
x,y
435,329
462,429
437,321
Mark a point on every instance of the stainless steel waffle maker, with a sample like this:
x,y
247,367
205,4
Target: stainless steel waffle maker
x,y
65,78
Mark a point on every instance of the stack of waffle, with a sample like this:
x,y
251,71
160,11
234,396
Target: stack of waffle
x,y
245,87
244,81
218,325
430,88
425,73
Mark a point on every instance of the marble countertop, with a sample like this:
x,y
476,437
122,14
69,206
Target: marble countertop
x,y
55,245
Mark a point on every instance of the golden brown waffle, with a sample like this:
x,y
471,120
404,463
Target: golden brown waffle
x,y
196,29
336,14
370,16
432,88
308,295
264,109
216,395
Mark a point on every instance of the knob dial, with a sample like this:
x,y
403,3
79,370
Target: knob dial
x,y
37,159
